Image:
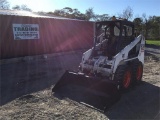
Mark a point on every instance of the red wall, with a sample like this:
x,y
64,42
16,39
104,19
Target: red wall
x,y
56,35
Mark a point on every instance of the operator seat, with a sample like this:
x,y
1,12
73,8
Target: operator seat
x,y
111,47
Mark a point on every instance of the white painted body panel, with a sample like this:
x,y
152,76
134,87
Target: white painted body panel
x,y
93,64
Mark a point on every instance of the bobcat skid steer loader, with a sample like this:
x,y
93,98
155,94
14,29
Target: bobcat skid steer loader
x,y
114,63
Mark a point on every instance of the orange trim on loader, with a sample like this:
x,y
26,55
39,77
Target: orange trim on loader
x,y
139,72
127,79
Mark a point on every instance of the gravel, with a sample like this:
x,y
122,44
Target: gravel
x,y
140,102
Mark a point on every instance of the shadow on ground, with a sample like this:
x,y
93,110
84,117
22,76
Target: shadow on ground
x,y
20,79
26,77
141,102
152,46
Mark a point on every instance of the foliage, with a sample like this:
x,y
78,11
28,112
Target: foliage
x,y
69,13
103,17
150,26
4,4
89,14
16,7
22,7
127,13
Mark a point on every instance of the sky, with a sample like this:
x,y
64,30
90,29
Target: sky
x,y
111,7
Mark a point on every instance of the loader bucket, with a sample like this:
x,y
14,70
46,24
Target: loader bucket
x,y
93,92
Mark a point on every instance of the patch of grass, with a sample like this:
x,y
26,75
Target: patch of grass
x,y
153,42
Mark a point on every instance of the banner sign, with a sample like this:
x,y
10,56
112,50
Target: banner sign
x,y
26,31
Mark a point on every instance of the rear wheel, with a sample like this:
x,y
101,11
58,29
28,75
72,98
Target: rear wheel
x,y
123,76
127,79
137,70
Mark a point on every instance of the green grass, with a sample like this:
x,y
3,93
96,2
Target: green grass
x,y
153,42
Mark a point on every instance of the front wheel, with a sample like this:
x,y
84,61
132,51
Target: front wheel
x,y
123,76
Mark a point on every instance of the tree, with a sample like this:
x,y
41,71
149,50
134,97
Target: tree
x,y
25,8
59,13
78,15
89,14
68,10
127,13
103,17
69,13
22,7
156,26
4,4
16,7
138,24
153,27
146,25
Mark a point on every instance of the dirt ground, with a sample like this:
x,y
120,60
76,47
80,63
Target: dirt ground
x,y
140,102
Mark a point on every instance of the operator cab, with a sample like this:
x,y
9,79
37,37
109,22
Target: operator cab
x,y
112,36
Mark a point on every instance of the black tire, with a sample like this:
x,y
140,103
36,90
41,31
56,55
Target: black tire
x,y
123,76
137,71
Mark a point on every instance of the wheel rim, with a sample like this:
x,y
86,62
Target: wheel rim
x,y
139,72
127,79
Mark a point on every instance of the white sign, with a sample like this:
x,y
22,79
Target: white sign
x,y
26,31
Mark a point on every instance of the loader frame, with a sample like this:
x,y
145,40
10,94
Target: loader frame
x,y
127,49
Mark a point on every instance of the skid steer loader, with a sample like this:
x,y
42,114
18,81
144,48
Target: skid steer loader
x,y
114,63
